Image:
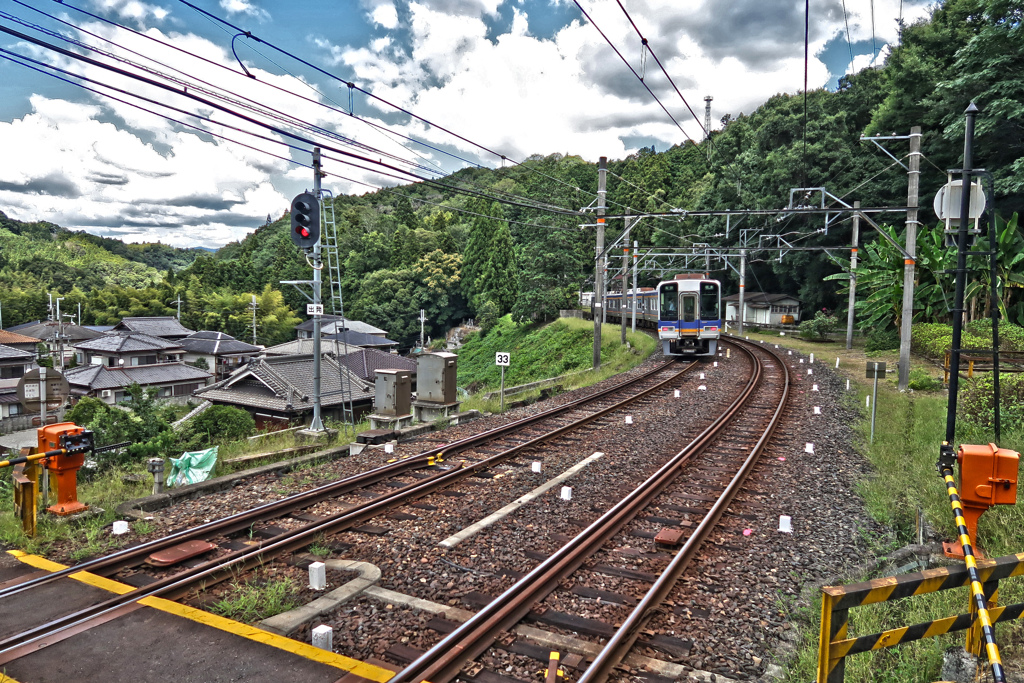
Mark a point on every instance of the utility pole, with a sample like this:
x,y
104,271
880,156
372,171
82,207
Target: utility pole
x,y
743,289
602,177
635,254
854,238
707,123
317,424
423,319
60,338
625,271
907,318
178,301
252,306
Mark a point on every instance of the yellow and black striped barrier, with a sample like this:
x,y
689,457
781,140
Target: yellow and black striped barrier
x,y
834,643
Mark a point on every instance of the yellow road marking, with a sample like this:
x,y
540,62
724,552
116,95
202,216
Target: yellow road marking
x,y
373,673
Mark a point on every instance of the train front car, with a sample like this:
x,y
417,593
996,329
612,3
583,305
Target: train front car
x,y
689,316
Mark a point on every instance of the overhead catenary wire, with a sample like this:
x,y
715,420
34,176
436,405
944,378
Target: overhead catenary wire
x,y
272,128
630,67
650,49
352,86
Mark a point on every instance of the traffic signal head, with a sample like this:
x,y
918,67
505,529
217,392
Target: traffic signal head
x,y
305,220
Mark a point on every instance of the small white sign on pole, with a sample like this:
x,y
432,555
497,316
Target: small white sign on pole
x,y
503,359
314,309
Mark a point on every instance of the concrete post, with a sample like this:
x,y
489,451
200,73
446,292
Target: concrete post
x,y
854,238
907,317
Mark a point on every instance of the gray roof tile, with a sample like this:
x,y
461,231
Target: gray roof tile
x,y
158,326
217,344
93,377
123,341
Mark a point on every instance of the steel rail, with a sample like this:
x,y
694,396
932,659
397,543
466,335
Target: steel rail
x,y
445,660
109,564
238,561
619,645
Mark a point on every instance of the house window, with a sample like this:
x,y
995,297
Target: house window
x,y
14,409
135,360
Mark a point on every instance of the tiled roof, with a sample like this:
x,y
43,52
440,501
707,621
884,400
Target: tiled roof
x,y
158,326
93,377
285,384
15,338
361,339
123,341
328,325
365,362
47,330
11,354
217,344
305,346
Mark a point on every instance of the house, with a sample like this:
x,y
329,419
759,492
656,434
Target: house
x,y
332,324
14,363
127,349
59,338
20,341
364,363
278,390
174,381
362,339
166,327
763,309
221,353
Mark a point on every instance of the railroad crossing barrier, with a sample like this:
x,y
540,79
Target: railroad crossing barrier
x,y
835,644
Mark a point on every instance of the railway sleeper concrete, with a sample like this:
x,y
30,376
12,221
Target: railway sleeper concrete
x,y
289,622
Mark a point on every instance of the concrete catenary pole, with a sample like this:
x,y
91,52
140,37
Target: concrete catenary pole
x,y
907,317
317,424
625,272
743,289
602,177
854,239
635,254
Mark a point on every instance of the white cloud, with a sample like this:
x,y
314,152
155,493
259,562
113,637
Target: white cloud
x,y
233,7
134,10
385,16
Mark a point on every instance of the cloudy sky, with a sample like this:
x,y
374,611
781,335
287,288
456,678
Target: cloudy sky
x,y
142,139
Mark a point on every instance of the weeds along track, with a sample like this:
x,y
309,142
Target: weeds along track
x,y
248,540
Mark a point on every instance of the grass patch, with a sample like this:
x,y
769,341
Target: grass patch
x,y
258,600
908,431
544,351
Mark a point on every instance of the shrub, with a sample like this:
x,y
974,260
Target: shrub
x,y
882,340
934,339
1011,337
218,425
976,403
920,380
487,317
85,411
819,327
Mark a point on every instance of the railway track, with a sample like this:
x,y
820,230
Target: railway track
x,y
721,458
430,471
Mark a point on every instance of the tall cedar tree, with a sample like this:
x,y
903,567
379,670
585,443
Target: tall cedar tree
x,y
499,281
478,246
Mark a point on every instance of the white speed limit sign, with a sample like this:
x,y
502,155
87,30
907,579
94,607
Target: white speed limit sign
x,y
503,358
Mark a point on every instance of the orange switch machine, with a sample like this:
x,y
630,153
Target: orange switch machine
x,y
75,442
988,476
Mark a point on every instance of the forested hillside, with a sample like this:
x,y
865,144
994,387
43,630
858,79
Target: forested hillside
x,y
468,247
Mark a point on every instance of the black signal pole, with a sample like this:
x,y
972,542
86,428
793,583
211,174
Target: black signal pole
x,y
961,273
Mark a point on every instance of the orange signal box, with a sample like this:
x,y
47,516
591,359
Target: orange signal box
x,y
65,467
988,476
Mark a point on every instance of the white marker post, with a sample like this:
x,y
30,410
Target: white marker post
x,y
503,359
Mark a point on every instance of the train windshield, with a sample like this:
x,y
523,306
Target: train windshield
x,y
669,305
709,301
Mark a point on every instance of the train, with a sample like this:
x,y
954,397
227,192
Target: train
x,y
686,311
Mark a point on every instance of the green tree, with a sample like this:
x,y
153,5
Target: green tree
x,y
499,280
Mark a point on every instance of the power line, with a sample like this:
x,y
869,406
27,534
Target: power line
x,y
849,43
650,49
352,86
630,67
807,34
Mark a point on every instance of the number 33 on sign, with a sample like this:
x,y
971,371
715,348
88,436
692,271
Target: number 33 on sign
x,y
503,358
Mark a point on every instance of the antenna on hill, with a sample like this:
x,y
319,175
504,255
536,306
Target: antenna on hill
x,y
707,122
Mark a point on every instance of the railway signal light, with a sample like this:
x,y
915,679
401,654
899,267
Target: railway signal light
x,y
305,220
